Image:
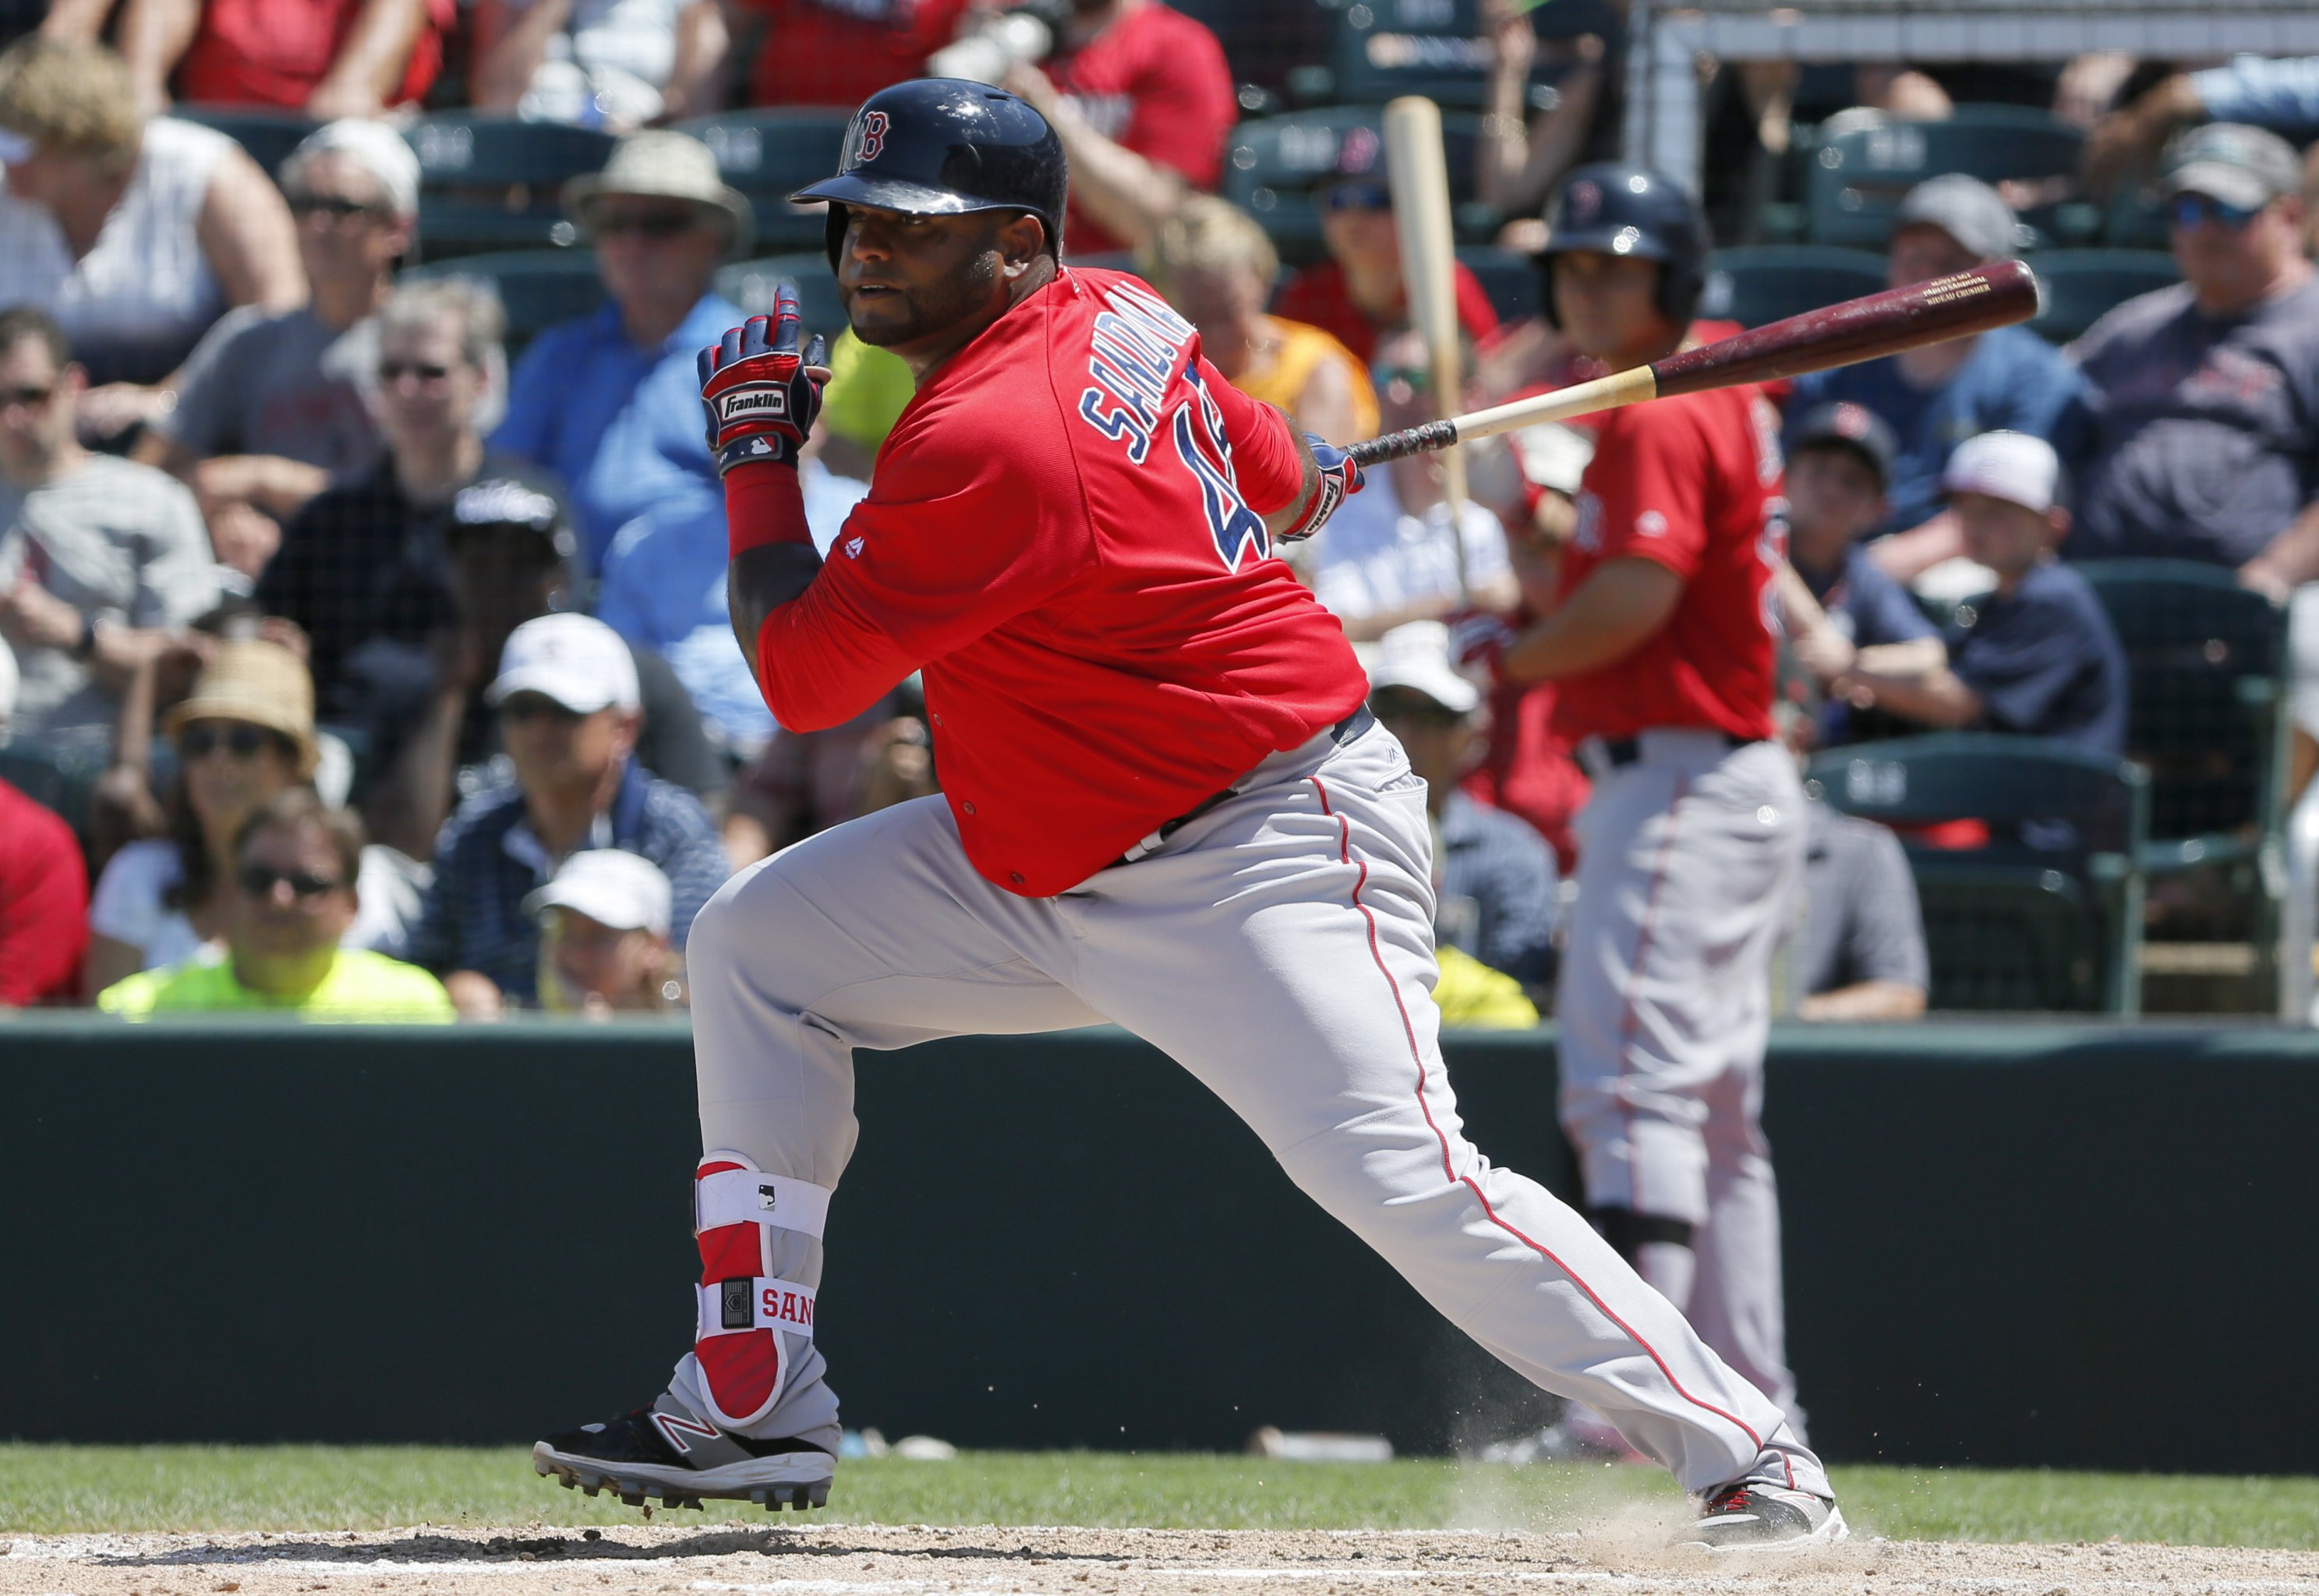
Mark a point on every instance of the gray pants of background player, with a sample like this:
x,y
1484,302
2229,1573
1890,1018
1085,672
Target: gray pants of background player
x,y
1687,860
1280,948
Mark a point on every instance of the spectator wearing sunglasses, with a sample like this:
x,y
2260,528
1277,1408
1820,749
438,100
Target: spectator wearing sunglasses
x,y
271,404
242,738
363,566
288,905
1357,296
610,402
103,561
567,699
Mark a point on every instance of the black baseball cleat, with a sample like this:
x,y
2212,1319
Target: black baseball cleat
x,y
1747,1518
668,1451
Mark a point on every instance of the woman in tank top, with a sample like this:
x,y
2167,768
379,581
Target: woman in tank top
x,y
134,234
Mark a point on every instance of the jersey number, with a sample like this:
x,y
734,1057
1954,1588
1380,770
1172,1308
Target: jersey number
x,y
1207,454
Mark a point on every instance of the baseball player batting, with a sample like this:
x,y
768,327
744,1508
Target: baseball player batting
x,y
1165,806
1693,839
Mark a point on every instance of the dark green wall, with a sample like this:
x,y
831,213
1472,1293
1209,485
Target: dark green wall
x,y
2057,1245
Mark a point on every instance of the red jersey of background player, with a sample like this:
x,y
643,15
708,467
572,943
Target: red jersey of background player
x,y
1155,82
1318,296
1693,484
1064,533
840,53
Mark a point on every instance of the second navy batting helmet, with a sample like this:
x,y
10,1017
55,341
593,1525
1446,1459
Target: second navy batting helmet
x,y
944,147
1608,209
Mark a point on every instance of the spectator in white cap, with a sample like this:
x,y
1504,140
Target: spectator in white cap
x,y
2038,656
611,402
567,699
604,943
1495,877
270,406
1934,397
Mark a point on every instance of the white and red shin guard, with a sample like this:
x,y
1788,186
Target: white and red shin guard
x,y
744,1309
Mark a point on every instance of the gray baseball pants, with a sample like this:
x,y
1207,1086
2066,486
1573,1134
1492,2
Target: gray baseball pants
x,y
1280,948
1688,860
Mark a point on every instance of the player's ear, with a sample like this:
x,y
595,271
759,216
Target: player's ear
x,y
1022,239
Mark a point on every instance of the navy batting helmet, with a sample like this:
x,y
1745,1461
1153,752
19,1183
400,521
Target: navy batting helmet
x,y
1609,209
944,147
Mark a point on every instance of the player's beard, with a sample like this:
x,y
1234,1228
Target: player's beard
x,y
937,308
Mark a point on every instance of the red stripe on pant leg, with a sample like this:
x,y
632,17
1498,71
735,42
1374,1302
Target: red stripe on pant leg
x,y
1345,854
1634,973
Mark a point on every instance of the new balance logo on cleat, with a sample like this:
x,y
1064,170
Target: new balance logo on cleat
x,y
670,1452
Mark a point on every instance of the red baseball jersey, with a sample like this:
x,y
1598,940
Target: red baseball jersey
x,y
1692,485
1155,82
1318,295
1064,534
840,53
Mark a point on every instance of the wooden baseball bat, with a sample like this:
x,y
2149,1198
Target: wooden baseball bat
x,y
1417,168
1857,330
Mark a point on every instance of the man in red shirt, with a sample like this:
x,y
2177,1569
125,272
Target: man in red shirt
x,y
1357,294
43,888
329,58
1693,839
1159,784
840,53
1142,100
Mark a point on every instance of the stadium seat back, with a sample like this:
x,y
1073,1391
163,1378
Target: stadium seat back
x,y
61,781
769,154
1271,164
2081,286
491,184
2206,661
1755,284
538,287
1508,277
1860,172
2047,914
268,136
1383,48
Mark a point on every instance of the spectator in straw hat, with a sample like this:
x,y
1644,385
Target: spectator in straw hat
x,y
611,402
242,737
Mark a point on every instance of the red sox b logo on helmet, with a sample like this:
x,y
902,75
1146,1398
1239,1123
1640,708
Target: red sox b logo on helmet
x,y
870,136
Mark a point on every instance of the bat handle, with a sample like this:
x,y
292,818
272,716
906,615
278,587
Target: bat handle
x,y
1400,446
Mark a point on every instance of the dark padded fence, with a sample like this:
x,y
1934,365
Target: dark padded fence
x,y
2070,1245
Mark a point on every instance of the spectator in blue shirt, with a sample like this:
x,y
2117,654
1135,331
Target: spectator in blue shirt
x,y
1496,888
567,699
611,402
2038,656
1934,398
1839,458
663,590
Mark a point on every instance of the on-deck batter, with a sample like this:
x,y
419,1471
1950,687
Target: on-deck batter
x,y
1164,806
1692,840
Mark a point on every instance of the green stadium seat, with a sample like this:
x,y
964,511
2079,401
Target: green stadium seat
x,y
491,183
750,284
2206,714
1269,166
2013,925
1859,172
769,154
1509,276
1758,283
269,136
2081,286
1383,48
538,287
61,781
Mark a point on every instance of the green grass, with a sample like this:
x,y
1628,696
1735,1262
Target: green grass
x,y
53,1489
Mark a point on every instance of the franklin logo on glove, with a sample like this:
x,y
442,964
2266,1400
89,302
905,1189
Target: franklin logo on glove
x,y
752,402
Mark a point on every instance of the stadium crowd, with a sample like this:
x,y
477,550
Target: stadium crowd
x,y
368,672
